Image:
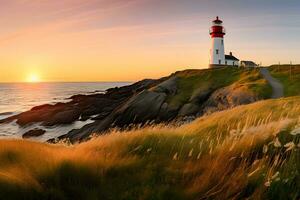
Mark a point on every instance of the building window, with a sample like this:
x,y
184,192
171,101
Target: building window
x,y
217,51
219,62
222,41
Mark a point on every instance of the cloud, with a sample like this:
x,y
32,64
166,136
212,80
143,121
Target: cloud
x,y
44,17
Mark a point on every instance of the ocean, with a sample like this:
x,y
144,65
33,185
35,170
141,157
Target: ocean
x,y
19,97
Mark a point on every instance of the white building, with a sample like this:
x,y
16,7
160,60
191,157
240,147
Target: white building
x,y
249,64
217,51
231,60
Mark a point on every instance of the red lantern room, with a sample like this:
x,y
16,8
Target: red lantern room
x,y
217,30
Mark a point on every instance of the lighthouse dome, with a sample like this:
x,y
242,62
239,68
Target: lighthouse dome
x,y
217,29
217,20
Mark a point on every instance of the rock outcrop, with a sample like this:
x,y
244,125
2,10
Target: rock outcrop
x,y
147,101
143,107
152,106
34,133
81,107
229,97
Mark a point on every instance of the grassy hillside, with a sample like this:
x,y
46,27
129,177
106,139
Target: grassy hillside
x,y
289,76
193,82
248,152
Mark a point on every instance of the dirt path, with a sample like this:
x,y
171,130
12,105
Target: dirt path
x,y
275,84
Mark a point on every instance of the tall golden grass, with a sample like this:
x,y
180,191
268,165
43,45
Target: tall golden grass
x,y
250,151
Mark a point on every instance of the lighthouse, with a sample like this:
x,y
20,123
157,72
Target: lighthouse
x,y
217,51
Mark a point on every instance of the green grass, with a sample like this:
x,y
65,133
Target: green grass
x,y
193,82
233,154
289,76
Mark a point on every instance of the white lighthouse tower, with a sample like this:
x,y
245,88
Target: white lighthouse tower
x,y
217,52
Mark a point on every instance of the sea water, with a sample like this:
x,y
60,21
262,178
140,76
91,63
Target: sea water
x,y
19,97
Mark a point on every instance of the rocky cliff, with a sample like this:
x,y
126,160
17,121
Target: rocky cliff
x,y
180,96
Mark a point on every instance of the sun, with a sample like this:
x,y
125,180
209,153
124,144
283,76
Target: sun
x,y
33,78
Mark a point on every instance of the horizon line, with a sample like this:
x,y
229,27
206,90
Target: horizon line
x,y
26,82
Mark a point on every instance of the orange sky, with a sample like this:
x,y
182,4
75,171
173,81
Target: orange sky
x,y
128,40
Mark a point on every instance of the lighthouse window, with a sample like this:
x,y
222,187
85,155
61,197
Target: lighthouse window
x,y
217,51
222,42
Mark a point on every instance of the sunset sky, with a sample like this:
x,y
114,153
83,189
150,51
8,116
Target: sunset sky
x,y
128,40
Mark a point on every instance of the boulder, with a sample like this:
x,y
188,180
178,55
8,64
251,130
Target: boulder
x,y
168,87
189,109
168,112
201,95
229,97
140,108
63,117
34,133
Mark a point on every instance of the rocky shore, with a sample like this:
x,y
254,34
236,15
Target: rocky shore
x,y
155,101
